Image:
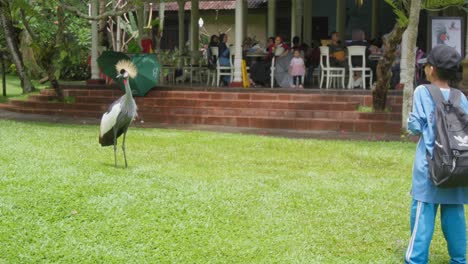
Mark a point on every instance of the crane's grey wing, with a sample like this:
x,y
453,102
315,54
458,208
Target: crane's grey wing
x,y
109,118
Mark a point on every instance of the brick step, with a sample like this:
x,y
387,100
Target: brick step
x,y
365,126
77,99
58,105
395,107
308,97
51,111
104,102
86,92
41,97
338,106
268,113
312,97
343,125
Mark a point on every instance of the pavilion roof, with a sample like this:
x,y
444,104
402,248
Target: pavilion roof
x,y
212,5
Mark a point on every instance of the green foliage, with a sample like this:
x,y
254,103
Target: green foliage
x,y
133,47
185,199
365,109
12,69
401,10
131,27
437,4
42,19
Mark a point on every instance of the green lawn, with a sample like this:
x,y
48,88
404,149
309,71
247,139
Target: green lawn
x,y
201,197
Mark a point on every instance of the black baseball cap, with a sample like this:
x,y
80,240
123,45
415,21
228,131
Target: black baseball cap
x,y
444,57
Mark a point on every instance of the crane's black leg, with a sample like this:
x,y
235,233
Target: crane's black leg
x,y
115,147
123,147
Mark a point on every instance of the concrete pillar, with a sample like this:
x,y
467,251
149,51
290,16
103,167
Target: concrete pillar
x,y
244,20
238,44
299,18
181,25
271,18
307,22
194,16
293,19
375,18
94,41
341,19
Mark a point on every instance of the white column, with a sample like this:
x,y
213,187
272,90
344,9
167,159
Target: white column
x,y
181,24
181,17
307,22
299,18
340,19
238,43
94,41
375,18
244,19
271,18
293,18
194,16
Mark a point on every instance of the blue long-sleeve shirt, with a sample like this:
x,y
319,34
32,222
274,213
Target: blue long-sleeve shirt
x,y
422,122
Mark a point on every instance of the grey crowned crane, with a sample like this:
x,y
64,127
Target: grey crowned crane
x,y
121,113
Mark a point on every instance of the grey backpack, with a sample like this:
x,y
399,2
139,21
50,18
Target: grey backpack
x,y
448,166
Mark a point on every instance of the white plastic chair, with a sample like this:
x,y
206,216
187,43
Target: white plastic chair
x,y
272,72
222,70
358,51
211,76
191,65
328,72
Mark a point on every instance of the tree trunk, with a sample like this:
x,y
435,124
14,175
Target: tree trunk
x,y
2,59
103,38
412,34
11,39
54,66
384,73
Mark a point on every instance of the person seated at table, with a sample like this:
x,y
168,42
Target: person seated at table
x,y
375,47
297,44
260,71
358,38
337,51
224,56
214,42
283,58
270,45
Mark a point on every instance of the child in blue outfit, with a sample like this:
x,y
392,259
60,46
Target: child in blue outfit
x,y
441,68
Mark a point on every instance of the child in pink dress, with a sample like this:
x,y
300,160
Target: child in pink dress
x,y
297,69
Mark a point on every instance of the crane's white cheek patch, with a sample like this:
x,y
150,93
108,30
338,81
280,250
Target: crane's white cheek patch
x,y
109,118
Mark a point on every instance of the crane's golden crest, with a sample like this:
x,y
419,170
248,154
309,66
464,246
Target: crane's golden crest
x,y
128,66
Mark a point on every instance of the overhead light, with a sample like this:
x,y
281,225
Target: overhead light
x,y
359,3
200,22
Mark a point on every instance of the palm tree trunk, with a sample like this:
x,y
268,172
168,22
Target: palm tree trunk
x,y
11,39
384,73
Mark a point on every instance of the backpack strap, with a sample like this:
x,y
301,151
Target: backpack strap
x,y
455,96
436,94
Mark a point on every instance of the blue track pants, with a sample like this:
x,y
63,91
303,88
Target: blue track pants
x,y
452,217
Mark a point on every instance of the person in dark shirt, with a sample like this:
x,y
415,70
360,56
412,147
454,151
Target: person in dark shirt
x,y
337,51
